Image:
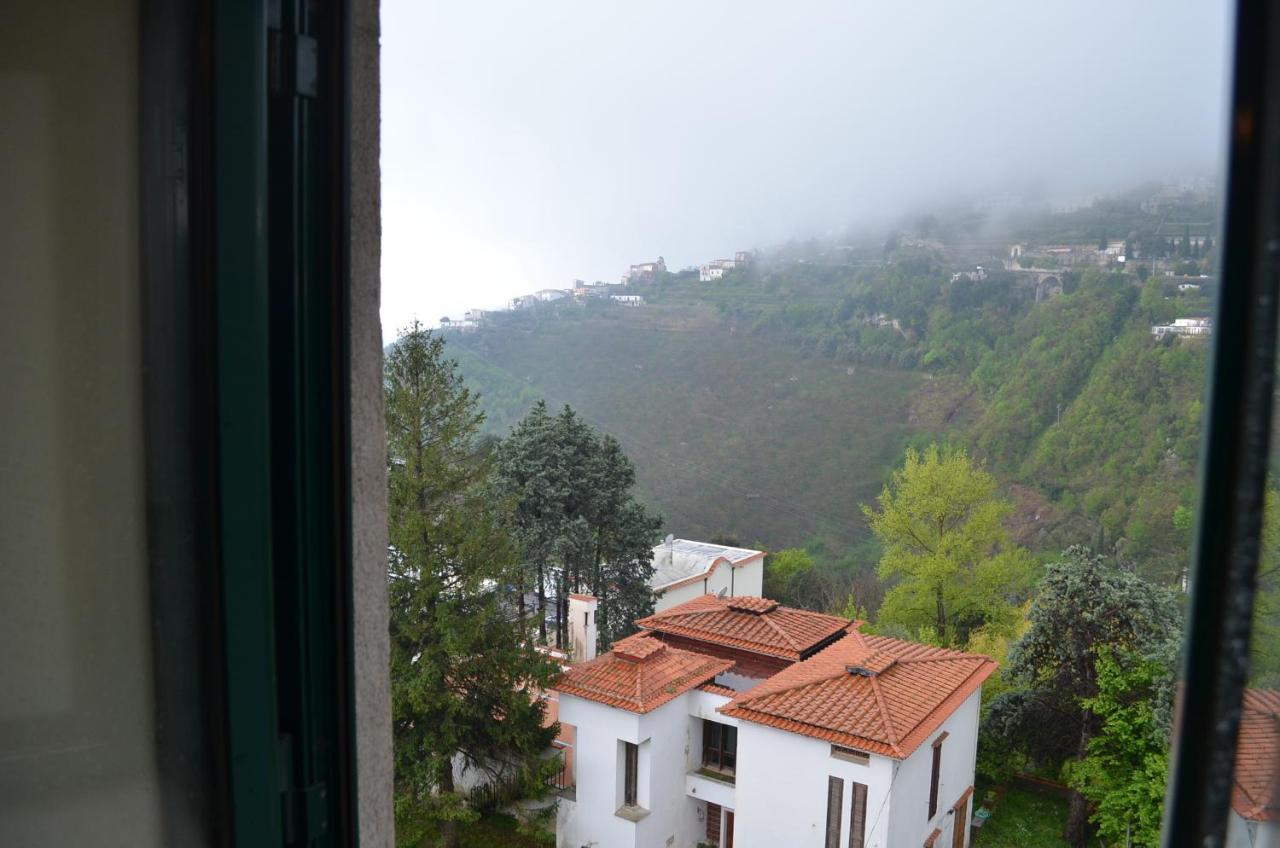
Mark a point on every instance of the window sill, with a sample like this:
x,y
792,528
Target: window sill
x,y
631,813
720,776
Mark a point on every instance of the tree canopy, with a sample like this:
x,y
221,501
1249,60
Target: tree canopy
x,y
1082,607
940,520
581,527
462,665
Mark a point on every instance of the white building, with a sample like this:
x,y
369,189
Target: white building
x,y
548,295
716,268
645,271
628,299
684,569
1184,327
741,723
1255,807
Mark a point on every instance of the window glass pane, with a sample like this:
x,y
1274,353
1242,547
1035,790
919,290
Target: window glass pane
x,y
76,704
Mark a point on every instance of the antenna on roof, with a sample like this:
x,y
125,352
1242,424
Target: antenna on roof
x,y
724,590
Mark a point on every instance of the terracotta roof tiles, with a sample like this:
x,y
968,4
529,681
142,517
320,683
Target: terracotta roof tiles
x,y
640,674
748,623
868,692
1254,795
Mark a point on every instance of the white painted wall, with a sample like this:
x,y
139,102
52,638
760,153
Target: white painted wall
x,y
908,822
780,771
782,790
744,580
780,797
665,748
1246,834
680,594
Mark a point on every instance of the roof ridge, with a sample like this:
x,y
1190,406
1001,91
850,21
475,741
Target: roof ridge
x,y
955,657
890,730
776,629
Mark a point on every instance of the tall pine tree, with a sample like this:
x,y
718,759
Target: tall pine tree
x,y
462,664
579,523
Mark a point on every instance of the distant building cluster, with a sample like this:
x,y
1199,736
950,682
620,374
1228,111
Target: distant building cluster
x,y
645,271
716,268
1184,327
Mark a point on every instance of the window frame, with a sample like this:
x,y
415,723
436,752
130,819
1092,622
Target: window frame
x,y
719,733
935,775
630,774
835,805
1236,448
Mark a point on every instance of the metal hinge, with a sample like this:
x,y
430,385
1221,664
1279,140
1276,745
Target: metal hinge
x,y
293,64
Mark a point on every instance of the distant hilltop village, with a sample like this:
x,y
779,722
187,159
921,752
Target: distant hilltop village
x,y
640,272
1164,230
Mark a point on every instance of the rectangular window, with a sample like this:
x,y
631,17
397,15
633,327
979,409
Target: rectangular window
x,y
719,746
858,816
632,765
835,800
934,775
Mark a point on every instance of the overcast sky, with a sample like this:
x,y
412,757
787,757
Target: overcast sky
x,y
528,143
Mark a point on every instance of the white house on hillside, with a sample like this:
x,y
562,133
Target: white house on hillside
x,y
1255,805
745,724
1184,327
684,569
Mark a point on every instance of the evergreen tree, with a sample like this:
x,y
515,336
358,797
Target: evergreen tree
x,y
462,666
1082,607
581,527
941,523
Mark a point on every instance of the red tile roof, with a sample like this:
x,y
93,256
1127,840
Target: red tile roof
x,y
1254,795
867,692
640,674
717,689
748,623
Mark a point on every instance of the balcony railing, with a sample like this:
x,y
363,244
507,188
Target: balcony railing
x,y
562,779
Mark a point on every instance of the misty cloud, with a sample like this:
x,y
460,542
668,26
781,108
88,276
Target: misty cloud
x,y
528,144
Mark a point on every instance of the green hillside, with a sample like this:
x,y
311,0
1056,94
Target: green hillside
x,y
771,404
731,431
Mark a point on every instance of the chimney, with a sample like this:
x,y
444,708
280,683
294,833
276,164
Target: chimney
x,y
582,627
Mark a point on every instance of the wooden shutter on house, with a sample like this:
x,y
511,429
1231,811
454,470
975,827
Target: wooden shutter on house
x,y
835,800
713,824
858,816
935,775
632,766
960,830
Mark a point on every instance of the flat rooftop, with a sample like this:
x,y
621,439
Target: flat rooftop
x,y
684,559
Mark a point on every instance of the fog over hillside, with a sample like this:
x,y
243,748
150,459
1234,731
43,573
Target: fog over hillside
x,y
586,136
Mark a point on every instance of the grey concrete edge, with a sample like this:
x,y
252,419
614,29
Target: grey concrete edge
x,y
374,769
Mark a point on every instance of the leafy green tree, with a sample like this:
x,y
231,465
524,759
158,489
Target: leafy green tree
x,y
783,572
1082,607
941,522
462,666
1125,768
582,529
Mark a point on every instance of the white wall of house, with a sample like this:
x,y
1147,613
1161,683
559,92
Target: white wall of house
x,y
1242,833
679,594
784,771
908,814
746,579
782,790
665,745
